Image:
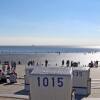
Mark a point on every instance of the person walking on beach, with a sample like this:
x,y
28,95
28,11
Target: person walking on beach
x,y
96,63
62,62
14,65
33,62
71,63
19,62
46,63
67,63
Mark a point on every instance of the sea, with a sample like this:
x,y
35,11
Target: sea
x,y
49,49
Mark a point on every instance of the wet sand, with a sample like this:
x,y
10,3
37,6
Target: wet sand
x,y
55,58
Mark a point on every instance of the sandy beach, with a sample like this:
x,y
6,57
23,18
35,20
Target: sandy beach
x,y
16,91
18,88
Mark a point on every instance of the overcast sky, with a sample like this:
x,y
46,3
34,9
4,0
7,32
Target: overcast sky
x,y
50,22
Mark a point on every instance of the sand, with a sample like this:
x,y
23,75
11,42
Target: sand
x,y
15,89
18,88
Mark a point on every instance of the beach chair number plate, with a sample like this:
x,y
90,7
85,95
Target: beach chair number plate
x,y
54,82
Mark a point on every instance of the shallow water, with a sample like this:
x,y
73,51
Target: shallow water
x,y
53,58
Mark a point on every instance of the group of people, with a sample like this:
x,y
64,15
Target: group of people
x,y
8,71
93,64
8,68
32,63
70,63
64,63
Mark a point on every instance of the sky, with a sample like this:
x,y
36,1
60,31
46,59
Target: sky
x,y
49,22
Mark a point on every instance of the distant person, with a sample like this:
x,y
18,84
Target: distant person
x,y
56,64
28,63
46,63
33,62
62,62
19,62
91,64
67,63
59,52
96,63
37,64
71,63
14,65
78,63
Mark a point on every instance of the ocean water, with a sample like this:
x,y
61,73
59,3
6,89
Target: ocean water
x,y
47,49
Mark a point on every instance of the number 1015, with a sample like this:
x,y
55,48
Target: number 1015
x,y
45,81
